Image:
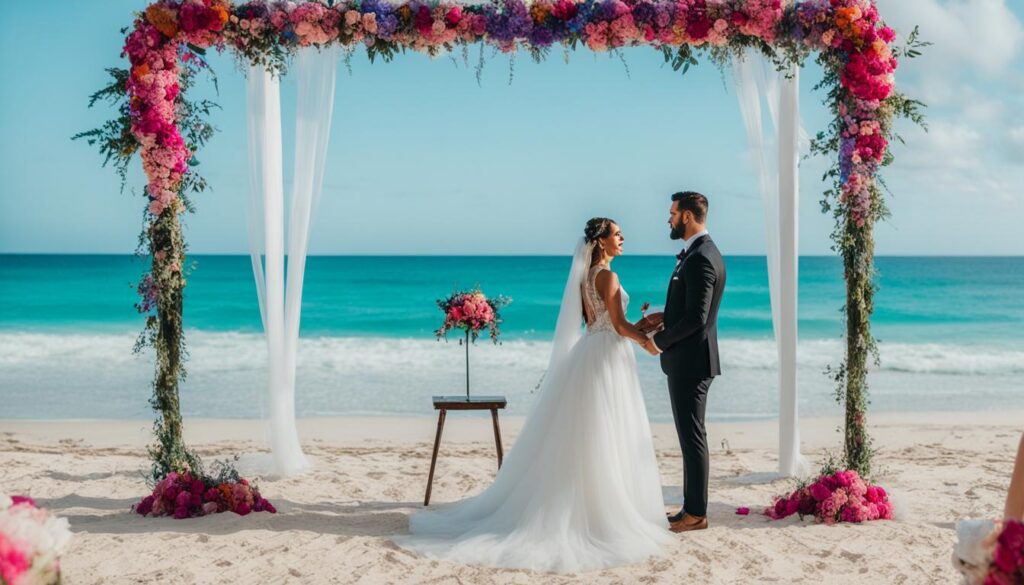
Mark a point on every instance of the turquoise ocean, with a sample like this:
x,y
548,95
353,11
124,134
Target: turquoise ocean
x,y
951,334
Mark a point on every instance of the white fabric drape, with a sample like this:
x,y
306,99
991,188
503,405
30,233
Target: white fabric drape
x,y
777,164
280,298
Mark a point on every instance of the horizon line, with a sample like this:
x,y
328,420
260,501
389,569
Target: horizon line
x,y
497,255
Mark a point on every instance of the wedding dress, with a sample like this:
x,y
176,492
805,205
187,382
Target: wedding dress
x,y
580,488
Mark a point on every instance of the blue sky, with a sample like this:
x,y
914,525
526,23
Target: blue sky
x,y
423,160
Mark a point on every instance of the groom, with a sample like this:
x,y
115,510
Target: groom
x,y
687,340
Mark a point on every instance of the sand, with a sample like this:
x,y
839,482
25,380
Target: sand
x,y
370,473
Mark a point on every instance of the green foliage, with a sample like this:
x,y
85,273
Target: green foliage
x,y
114,138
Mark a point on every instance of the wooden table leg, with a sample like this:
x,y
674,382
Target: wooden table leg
x,y
433,458
497,435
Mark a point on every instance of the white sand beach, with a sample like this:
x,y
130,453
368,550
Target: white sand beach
x,y
333,522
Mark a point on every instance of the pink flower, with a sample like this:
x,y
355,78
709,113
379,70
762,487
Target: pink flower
x,y
827,511
423,21
565,10
793,504
15,500
743,511
13,562
875,494
855,514
180,513
242,509
844,478
885,511
820,492
209,508
370,22
454,16
171,493
778,511
873,511
1009,552
840,497
184,500
858,488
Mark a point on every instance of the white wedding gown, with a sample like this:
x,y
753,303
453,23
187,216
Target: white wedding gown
x,y
580,488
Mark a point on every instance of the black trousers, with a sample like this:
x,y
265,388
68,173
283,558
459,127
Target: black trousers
x,y
689,400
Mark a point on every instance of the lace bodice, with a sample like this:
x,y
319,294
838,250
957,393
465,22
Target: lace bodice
x,y
595,304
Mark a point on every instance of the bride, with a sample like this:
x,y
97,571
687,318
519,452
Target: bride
x,y
580,489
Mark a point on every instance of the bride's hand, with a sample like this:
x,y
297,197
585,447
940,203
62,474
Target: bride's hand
x,y
650,323
648,345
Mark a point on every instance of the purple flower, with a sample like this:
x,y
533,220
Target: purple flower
x,y
542,37
645,13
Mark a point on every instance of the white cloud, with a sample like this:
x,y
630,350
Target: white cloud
x,y
1015,144
969,78
958,158
946,144
981,34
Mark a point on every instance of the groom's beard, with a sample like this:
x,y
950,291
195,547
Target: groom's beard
x,y
677,232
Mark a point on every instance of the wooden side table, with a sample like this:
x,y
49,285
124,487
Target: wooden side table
x,y
445,403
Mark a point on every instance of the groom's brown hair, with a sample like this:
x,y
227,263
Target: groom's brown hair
x,y
693,202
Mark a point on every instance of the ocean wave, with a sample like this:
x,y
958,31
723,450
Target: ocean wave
x,y
223,352
916,358
85,375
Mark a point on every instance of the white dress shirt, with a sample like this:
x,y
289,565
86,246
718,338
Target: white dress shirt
x,y
690,240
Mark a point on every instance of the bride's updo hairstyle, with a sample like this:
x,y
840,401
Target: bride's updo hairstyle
x,y
597,228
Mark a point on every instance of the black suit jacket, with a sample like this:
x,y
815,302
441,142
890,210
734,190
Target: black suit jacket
x,y
689,342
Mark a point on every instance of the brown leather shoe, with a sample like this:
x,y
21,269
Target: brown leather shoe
x,y
689,523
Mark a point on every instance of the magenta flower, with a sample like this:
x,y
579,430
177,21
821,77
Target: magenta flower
x,y
15,500
820,492
145,506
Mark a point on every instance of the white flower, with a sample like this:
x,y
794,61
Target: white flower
x,y
973,552
42,537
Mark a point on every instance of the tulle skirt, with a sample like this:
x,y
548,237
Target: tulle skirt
x,y
580,488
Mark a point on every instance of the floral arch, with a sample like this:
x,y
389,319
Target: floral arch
x,y
166,43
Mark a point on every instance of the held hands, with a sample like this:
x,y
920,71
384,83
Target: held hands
x,y
646,326
648,345
650,323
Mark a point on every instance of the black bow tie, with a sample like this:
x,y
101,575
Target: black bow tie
x,y
682,255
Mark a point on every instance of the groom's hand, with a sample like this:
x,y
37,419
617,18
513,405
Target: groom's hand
x,y
650,323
